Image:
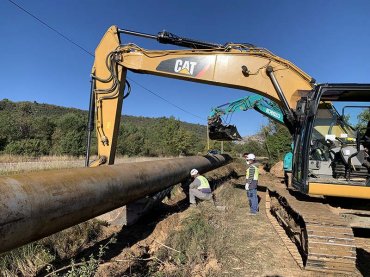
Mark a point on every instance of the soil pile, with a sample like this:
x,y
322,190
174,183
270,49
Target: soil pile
x,y
277,170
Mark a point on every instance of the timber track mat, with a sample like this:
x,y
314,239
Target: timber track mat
x,y
323,241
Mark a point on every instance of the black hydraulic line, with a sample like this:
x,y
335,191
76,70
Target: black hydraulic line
x,y
138,34
90,124
169,38
128,90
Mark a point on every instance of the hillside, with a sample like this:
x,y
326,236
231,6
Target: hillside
x,y
31,128
34,129
53,111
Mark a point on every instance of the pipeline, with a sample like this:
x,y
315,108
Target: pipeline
x,y
38,204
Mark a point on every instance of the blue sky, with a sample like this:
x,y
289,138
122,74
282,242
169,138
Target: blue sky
x,y
330,40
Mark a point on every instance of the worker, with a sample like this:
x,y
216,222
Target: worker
x,y
245,156
199,188
287,166
252,183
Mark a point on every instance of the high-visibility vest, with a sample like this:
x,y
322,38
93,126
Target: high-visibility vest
x,y
255,176
203,183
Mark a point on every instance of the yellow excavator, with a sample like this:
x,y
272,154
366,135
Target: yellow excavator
x,y
329,157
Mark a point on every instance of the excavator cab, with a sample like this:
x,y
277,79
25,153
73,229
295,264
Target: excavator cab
x,y
218,131
331,157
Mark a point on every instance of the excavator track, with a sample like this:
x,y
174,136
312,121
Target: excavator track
x,y
318,239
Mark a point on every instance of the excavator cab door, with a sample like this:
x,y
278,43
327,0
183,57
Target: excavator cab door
x,y
218,131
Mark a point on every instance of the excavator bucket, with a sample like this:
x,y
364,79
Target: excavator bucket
x,y
218,131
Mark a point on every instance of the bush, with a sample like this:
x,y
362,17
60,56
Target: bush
x,y
28,147
69,137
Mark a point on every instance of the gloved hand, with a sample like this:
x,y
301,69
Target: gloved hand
x,y
246,186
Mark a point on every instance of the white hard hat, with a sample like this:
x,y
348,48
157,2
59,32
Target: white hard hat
x,y
251,157
193,172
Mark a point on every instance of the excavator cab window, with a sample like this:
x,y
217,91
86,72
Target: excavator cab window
x,y
336,151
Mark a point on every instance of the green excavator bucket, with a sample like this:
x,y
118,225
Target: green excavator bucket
x,y
218,131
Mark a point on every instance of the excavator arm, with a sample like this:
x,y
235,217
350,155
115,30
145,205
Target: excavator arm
x,y
239,66
218,131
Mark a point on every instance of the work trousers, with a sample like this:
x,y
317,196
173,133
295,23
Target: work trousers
x,y
195,193
253,200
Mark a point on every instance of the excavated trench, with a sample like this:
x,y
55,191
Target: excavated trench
x,y
240,245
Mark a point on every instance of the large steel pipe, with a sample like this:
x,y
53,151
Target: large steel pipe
x,y
35,205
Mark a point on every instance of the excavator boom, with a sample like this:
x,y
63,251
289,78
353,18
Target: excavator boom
x,y
239,66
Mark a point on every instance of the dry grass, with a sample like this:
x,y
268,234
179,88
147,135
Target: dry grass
x,y
6,158
18,164
195,248
25,261
28,260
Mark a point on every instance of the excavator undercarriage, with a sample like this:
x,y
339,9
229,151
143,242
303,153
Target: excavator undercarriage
x,y
319,239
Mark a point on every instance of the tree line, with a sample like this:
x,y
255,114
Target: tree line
x,y
34,129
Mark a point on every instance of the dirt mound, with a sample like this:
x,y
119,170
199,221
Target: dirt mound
x,y
277,170
261,169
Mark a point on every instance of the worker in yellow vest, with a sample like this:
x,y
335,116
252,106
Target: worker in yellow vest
x,y
252,182
199,188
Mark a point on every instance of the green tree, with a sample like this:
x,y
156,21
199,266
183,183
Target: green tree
x,y
183,142
69,137
42,128
277,139
170,132
363,119
130,141
254,147
28,147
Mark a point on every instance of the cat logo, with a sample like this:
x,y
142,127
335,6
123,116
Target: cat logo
x,y
185,67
